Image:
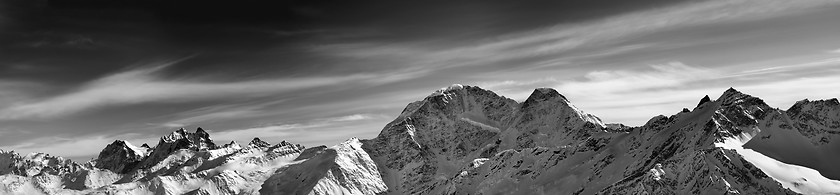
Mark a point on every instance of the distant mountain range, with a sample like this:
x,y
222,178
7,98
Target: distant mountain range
x,y
468,140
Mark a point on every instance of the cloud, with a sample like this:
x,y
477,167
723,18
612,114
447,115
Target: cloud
x,y
265,131
673,74
146,85
632,96
221,112
564,38
815,64
77,148
173,125
91,145
355,117
288,129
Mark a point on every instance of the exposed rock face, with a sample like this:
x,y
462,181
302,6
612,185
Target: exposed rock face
x,y
120,157
704,100
817,120
256,142
547,118
467,140
432,138
177,140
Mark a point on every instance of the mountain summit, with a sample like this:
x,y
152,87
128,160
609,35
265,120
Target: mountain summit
x,y
468,140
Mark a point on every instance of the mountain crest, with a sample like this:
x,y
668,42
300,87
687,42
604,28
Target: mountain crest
x,y
256,142
704,100
179,139
732,96
444,90
120,156
543,94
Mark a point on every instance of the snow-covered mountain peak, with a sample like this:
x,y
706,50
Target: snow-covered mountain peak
x,y
177,140
732,97
256,142
175,135
543,94
819,109
548,101
120,156
444,90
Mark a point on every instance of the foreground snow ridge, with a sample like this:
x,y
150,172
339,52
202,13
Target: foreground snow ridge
x,y
468,140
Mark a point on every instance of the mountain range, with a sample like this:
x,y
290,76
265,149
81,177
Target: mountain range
x,y
468,140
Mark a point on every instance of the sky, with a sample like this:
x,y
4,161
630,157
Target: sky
x,y
77,74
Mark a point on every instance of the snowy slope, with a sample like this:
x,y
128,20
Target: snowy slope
x,y
194,166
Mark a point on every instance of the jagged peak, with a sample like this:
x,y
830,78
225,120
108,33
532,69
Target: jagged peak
x,y
256,142
732,90
125,145
349,144
200,131
441,91
351,141
732,96
704,100
232,144
145,145
545,93
656,119
812,106
448,92
827,102
284,143
118,142
175,135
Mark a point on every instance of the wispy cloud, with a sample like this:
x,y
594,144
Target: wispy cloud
x,y
246,134
91,145
673,74
830,61
72,147
288,129
146,85
219,112
355,117
633,96
563,38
